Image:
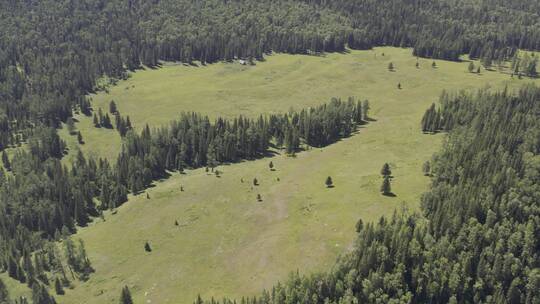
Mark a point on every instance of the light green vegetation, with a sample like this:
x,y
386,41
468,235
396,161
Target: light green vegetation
x,y
227,243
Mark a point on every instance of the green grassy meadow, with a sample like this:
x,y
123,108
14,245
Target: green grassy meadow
x,y
227,243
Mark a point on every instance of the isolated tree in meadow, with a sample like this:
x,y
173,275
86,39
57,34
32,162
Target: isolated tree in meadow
x,y
386,188
433,64
58,287
5,161
399,85
385,171
112,107
426,168
417,64
255,182
329,183
259,198
471,67
176,223
271,166
478,70
125,296
390,66
79,138
147,247
70,124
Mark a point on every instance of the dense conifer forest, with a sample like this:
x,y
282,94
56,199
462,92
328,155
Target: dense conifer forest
x,y
477,239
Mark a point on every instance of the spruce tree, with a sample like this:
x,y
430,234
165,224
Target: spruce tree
x,y
255,182
70,124
147,247
125,296
112,107
426,168
471,67
259,198
386,187
5,161
58,287
390,66
96,121
80,138
329,183
385,170
271,166
433,64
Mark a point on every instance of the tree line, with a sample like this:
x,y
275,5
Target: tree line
x,y
477,237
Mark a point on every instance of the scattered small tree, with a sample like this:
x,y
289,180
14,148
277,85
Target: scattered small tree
x,y
329,183
399,85
125,296
79,138
386,188
147,247
112,107
255,182
385,171
433,64
478,70
426,168
390,66
417,64
471,67
176,223
96,121
271,166
359,225
259,198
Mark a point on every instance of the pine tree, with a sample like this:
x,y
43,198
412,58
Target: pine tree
x,y
471,67
399,85
271,166
386,187
426,168
433,64
385,171
147,247
329,183
365,109
390,66
70,124
4,294
125,296
58,287
417,65
259,198
112,107
80,138
96,121
255,182
5,161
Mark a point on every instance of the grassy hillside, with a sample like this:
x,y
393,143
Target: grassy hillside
x,y
226,242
